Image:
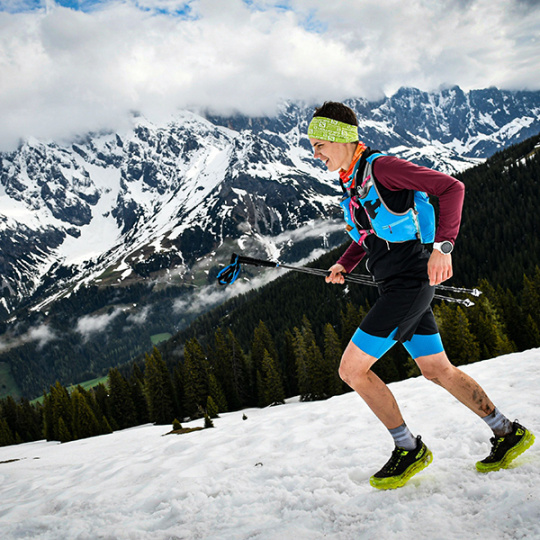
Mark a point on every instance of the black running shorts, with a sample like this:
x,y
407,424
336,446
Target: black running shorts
x,y
401,313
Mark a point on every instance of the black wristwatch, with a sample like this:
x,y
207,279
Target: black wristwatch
x,y
445,247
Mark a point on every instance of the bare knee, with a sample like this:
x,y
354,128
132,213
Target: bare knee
x,y
355,365
346,372
436,368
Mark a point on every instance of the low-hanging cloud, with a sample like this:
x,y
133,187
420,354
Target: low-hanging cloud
x,y
139,317
41,334
67,72
89,324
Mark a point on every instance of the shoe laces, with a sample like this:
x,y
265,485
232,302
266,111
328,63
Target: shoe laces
x,y
397,455
496,442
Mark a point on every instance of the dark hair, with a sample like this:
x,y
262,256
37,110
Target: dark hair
x,y
337,111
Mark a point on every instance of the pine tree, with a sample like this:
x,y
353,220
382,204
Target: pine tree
x,y
332,359
515,321
29,420
241,390
9,411
289,361
6,436
350,321
59,404
48,417
178,388
136,386
211,408
195,377
262,341
487,325
302,374
532,332
318,372
208,422
101,396
120,405
64,434
104,426
220,361
84,421
531,297
62,403
272,392
159,390
216,393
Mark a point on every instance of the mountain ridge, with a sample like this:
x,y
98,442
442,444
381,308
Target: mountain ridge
x,y
153,213
164,196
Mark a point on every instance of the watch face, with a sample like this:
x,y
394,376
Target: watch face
x,y
446,247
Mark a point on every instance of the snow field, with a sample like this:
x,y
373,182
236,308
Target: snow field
x,y
297,471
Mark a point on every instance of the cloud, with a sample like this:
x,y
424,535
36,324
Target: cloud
x,y
88,325
205,298
68,71
42,334
139,317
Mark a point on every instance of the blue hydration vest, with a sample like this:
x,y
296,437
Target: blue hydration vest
x,y
416,223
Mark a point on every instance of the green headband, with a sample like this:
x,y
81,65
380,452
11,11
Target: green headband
x,y
327,129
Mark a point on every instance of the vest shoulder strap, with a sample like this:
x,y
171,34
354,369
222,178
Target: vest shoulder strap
x,y
372,157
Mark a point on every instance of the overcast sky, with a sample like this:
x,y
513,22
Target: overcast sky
x,y
71,66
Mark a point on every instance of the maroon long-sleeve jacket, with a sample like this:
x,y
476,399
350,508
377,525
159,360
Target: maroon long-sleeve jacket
x,y
393,176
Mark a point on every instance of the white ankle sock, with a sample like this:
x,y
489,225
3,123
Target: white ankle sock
x,y
499,424
403,437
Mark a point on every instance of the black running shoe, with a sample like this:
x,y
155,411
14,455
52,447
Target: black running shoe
x,y
507,448
402,465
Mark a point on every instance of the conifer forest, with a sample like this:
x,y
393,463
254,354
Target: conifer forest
x,y
286,339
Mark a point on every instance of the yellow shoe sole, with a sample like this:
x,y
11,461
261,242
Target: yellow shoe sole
x,y
394,482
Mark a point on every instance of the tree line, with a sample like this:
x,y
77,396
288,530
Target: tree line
x,y
216,373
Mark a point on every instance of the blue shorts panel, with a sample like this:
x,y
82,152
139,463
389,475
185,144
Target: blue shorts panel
x,y
420,345
373,345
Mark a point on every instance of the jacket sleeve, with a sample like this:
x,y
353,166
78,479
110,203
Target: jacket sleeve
x,y
352,257
395,174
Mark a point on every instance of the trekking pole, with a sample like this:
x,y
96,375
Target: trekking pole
x,y
474,292
450,288
230,273
463,301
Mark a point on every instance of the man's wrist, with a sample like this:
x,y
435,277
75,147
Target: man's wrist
x,y
444,247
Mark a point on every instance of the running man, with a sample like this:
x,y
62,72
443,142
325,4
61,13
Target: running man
x,y
380,192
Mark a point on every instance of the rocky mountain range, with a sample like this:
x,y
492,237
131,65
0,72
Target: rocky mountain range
x,y
114,207
165,205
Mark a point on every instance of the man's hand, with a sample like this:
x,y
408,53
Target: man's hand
x,y
439,267
336,274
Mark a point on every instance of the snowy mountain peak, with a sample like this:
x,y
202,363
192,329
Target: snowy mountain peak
x,y
124,206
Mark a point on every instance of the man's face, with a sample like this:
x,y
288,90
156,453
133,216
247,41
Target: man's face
x,y
335,155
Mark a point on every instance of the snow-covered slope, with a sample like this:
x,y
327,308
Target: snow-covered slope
x,y
117,208
300,470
